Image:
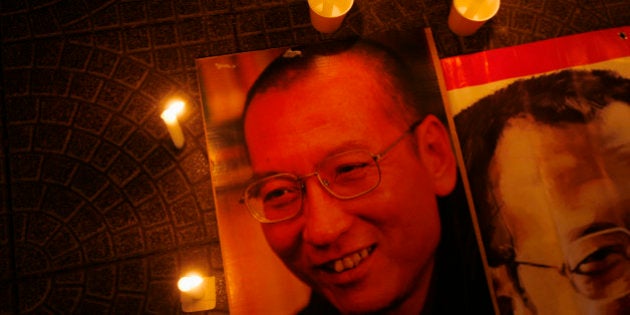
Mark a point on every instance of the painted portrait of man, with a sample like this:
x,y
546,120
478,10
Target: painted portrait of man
x,y
547,160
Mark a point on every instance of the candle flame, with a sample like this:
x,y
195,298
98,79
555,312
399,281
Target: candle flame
x,y
174,109
190,282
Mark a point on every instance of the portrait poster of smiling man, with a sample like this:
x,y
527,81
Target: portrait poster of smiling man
x,y
544,132
336,186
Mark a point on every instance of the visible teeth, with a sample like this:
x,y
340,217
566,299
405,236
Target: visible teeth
x,y
350,261
347,262
338,266
356,258
364,253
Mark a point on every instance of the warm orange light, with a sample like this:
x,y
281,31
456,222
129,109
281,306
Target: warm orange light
x,y
189,283
174,109
198,293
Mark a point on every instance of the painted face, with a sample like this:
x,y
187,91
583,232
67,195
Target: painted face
x,y
389,234
565,196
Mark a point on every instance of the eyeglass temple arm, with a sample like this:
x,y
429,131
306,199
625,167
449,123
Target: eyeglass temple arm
x,y
532,264
409,130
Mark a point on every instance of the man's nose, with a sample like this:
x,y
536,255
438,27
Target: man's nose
x,y
326,216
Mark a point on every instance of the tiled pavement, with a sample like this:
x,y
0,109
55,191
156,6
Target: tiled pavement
x,y
99,213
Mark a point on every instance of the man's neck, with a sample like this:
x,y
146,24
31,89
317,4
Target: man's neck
x,y
419,298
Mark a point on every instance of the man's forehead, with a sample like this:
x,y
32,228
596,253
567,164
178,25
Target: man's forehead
x,y
614,124
339,85
566,152
310,120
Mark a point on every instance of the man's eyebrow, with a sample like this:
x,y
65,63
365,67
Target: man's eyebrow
x,y
346,146
257,176
340,148
620,150
590,229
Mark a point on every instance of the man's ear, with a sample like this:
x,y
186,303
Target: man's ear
x,y
435,150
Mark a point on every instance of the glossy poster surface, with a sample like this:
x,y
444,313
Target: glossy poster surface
x,y
544,132
338,189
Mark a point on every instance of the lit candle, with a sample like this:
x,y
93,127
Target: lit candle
x,y
198,293
172,124
191,285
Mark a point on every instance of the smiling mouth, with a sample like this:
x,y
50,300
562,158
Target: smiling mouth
x,y
347,262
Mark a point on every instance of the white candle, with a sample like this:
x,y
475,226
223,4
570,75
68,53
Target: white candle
x,y
467,16
172,124
198,293
327,15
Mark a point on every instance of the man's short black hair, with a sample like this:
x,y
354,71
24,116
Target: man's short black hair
x,y
398,76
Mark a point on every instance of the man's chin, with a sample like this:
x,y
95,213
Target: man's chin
x,y
362,302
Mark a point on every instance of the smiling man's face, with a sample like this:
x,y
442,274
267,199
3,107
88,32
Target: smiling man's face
x,y
364,254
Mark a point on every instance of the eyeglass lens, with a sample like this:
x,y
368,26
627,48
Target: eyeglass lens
x,y
345,176
599,264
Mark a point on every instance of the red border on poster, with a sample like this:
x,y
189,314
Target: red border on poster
x,y
562,52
